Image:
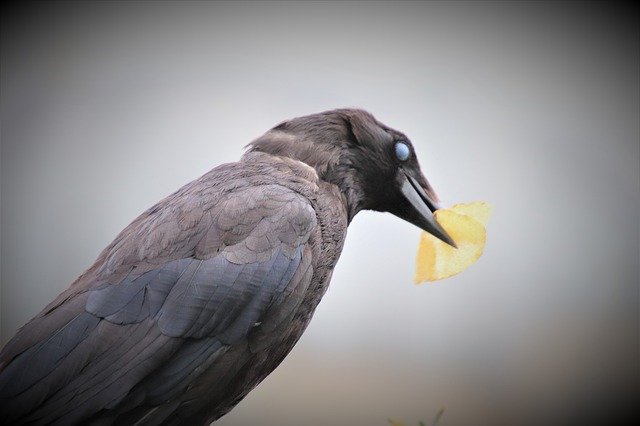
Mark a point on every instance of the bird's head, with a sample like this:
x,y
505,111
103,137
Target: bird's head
x,y
375,166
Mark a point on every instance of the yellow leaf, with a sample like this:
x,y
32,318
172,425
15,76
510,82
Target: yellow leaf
x,y
479,210
465,223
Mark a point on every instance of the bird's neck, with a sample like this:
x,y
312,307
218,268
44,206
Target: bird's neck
x,y
330,163
342,177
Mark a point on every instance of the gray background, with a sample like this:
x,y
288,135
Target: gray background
x,y
108,107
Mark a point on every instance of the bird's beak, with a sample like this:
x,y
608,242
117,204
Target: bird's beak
x,y
423,202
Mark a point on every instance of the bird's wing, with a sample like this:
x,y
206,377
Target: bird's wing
x,y
249,262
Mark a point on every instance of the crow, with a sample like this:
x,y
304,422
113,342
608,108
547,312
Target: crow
x,y
205,293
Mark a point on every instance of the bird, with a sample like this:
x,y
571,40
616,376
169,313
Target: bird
x,y
205,293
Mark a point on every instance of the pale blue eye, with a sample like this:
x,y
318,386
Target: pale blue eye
x,y
402,151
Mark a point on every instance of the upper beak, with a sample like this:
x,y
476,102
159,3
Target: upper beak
x,y
422,207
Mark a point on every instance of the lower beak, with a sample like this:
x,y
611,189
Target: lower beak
x,y
422,207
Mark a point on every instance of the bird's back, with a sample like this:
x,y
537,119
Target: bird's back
x,y
189,308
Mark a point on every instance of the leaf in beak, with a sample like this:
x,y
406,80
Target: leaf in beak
x,y
466,224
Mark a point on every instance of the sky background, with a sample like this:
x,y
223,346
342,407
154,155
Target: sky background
x,y
108,107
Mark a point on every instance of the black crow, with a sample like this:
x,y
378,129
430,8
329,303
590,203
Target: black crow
x,y
204,294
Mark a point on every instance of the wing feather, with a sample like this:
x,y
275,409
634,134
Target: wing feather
x,y
123,342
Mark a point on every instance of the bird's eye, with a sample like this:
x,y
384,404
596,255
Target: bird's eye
x,y
402,151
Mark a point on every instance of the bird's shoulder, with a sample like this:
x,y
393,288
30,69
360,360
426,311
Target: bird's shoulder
x,y
242,210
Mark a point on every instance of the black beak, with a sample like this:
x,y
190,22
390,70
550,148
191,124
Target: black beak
x,y
422,206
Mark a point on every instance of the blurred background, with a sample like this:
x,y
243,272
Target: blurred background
x,y
108,107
